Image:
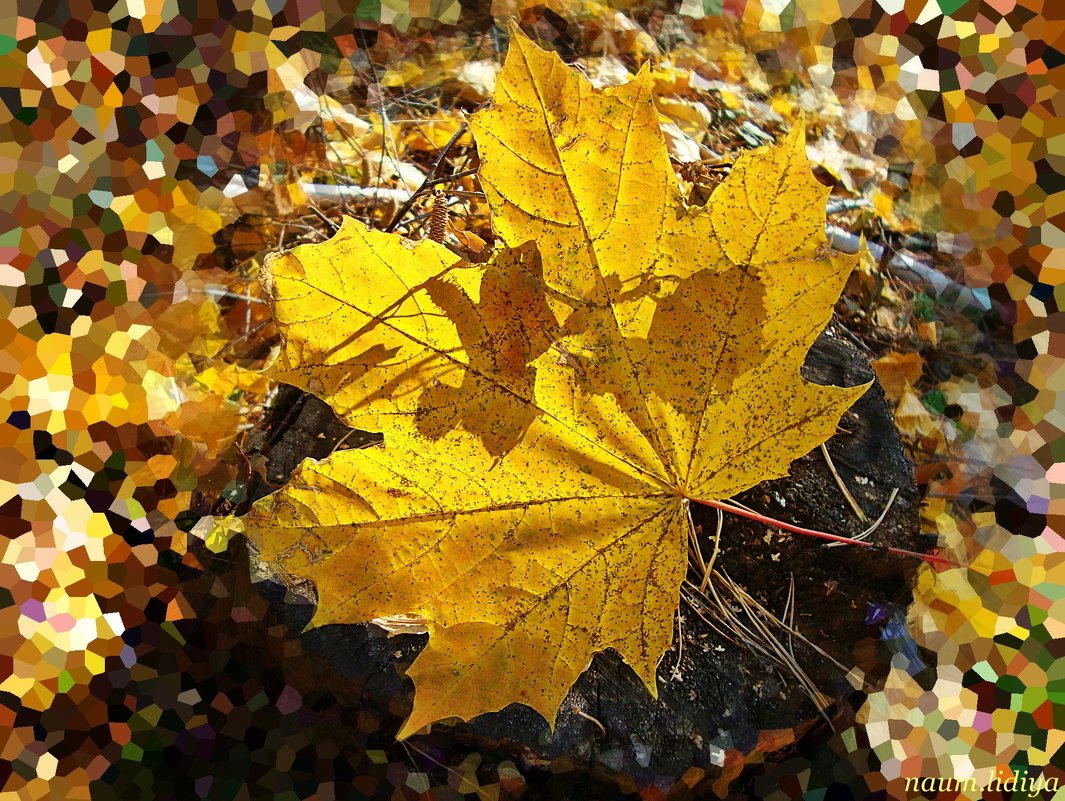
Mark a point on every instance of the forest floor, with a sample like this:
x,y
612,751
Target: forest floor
x,y
381,137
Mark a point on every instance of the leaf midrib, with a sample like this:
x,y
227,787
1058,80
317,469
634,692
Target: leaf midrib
x,y
665,456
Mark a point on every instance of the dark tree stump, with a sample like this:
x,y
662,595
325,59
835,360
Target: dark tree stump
x,y
717,697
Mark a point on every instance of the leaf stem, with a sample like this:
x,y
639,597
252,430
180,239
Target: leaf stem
x,y
809,532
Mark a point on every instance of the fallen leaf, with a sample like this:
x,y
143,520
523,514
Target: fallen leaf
x,y
470,241
407,73
915,422
866,281
897,372
548,415
855,171
384,170
929,332
606,71
890,319
340,119
680,146
476,80
434,132
669,80
694,119
784,106
217,532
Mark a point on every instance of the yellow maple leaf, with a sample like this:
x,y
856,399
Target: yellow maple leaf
x,y
549,416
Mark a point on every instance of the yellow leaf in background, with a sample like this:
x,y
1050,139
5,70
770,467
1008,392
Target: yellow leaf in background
x,y
387,171
898,215
207,420
890,319
433,133
736,63
866,280
374,138
883,204
470,241
341,119
913,420
680,146
638,44
217,532
670,80
547,415
405,74
929,331
692,118
475,80
225,380
193,328
425,70
296,196
897,371
731,99
784,106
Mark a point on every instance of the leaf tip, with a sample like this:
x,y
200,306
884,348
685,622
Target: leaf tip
x,y
413,725
797,135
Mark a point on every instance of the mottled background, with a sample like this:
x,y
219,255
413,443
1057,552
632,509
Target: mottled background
x,y
149,149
